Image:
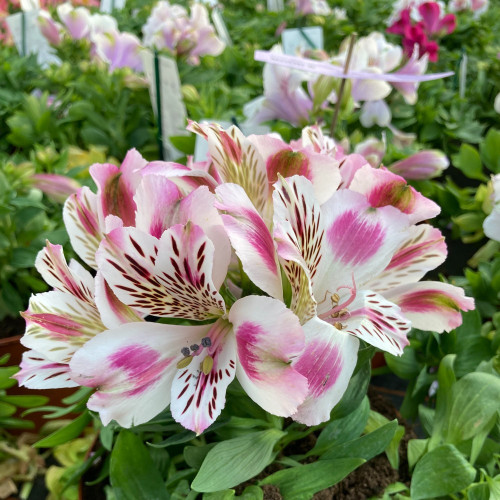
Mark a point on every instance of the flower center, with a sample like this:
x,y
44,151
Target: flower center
x,y
339,311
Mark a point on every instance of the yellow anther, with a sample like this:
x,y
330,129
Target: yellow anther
x,y
338,325
184,362
207,364
335,299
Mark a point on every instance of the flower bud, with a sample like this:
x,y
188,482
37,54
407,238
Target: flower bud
x,y
56,187
422,165
372,149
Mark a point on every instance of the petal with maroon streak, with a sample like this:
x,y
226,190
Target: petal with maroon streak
x,y
431,305
268,337
328,360
38,372
51,264
57,324
423,250
198,398
250,238
132,367
81,219
377,321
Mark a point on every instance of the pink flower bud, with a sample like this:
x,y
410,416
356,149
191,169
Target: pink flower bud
x,y
56,187
49,28
421,165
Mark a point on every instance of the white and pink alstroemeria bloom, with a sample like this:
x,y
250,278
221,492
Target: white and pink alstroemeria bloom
x,y
49,28
85,212
119,50
61,321
491,224
139,371
422,165
76,20
318,7
285,99
169,27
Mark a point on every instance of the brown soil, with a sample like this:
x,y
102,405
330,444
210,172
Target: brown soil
x,y
369,480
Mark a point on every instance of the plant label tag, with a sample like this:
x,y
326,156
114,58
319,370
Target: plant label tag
x,y
220,27
296,40
108,6
170,111
29,39
275,5
201,144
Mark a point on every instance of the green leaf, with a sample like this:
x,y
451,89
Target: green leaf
x,y
469,162
252,493
6,373
6,409
26,401
219,495
132,471
231,462
194,455
405,366
416,449
441,472
367,446
489,148
474,401
343,429
478,492
71,431
300,483
354,394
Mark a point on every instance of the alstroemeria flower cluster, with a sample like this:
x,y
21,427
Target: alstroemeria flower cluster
x,y
478,7
285,98
169,27
420,24
118,49
168,241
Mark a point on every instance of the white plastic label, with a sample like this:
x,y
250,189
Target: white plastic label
x,y
220,27
299,39
172,109
275,5
29,39
107,6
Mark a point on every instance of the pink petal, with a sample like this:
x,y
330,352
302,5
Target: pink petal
x,y
250,238
423,250
359,241
377,321
81,218
51,264
132,367
431,305
198,397
38,372
268,337
113,312
328,361
281,159
58,323
383,188
157,199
